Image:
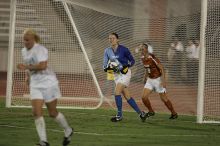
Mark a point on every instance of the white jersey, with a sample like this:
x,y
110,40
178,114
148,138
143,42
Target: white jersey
x,y
43,78
191,50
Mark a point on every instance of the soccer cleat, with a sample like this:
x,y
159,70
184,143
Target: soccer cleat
x,y
173,116
150,114
43,143
116,118
143,116
66,140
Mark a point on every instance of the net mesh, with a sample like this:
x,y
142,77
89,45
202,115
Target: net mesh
x,y
94,27
212,70
135,22
50,21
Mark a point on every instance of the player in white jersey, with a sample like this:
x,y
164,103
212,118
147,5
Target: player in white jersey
x,y
43,85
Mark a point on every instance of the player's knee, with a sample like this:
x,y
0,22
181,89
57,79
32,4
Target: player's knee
x,y
37,114
117,92
163,97
53,114
145,97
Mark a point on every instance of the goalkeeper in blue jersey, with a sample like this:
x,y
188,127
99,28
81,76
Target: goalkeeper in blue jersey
x,y
119,59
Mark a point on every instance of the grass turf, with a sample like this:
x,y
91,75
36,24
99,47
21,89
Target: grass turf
x,y
93,128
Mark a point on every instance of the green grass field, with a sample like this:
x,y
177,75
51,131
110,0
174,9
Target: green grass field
x,y
93,128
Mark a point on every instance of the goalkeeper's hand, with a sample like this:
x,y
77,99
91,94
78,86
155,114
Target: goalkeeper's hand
x,y
108,69
116,70
124,70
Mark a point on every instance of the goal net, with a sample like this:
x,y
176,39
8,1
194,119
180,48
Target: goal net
x,y
76,34
209,83
67,56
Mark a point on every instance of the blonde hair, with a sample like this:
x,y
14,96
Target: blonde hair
x,y
30,31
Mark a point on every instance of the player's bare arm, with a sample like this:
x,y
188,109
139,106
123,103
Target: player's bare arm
x,y
160,66
33,67
145,76
27,77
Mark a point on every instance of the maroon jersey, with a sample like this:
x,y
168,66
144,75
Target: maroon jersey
x,y
150,63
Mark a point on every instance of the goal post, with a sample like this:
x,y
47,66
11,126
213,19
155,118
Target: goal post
x,y
11,52
208,109
200,102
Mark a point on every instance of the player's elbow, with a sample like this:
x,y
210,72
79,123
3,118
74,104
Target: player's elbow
x,y
160,66
132,63
43,66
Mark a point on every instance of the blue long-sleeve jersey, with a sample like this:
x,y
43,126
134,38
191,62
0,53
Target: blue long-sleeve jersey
x,y
122,56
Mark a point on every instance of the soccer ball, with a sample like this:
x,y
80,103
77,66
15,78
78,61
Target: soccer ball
x,y
115,66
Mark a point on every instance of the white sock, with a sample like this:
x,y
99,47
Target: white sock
x,y
63,123
41,128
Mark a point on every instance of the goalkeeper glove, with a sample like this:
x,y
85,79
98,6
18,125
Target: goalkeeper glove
x,y
110,71
124,69
107,69
116,70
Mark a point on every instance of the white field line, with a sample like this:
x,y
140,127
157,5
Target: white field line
x,y
74,113
114,134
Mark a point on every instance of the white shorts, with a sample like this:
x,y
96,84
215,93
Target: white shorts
x,y
123,78
155,84
47,94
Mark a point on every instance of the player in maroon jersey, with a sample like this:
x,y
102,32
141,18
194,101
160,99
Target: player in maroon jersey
x,y
154,80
